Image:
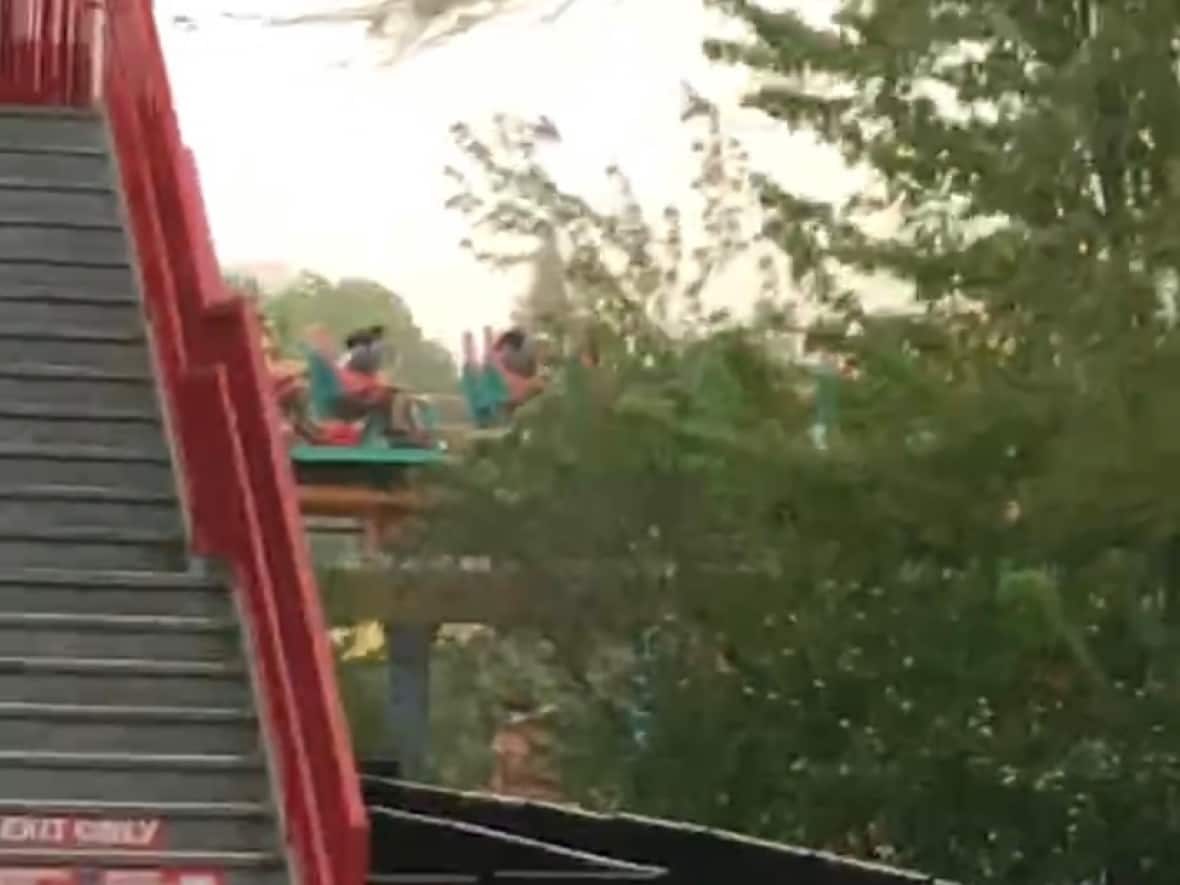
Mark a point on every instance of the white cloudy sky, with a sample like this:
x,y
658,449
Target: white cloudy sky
x,y
312,156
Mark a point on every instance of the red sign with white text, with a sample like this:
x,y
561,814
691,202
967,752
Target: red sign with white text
x,y
32,876
161,877
67,876
128,834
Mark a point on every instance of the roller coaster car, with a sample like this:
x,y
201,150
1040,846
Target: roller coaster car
x,y
486,393
357,452
495,385
357,472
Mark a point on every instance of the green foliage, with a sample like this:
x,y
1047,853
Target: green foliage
x,y
350,304
364,684
479,678
243,284
950,638
619,265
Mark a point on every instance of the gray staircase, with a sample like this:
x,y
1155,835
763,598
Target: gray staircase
x,y
124,694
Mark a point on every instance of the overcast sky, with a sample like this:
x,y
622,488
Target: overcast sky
x,y
314,156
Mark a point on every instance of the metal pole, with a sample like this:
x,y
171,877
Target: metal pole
x,y
408,648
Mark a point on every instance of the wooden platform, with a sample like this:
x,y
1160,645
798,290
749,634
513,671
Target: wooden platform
x,y
461,592
477,591
377,511
372,591
357,501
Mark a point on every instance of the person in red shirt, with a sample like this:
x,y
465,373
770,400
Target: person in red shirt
x,y
368,394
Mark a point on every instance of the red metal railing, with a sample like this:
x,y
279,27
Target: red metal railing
x,y
236,478
40,61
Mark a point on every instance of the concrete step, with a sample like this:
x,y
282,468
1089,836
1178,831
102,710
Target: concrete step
x,y
29,634
55,506
97,279
144,471
116,593
93,547
104,728
246,866
187,826
62,166
77,244
37,304
122,350
530,877
127,680
39,776
49,424
29,286
63,384
240,861
427,879
22,127
237,868
39,203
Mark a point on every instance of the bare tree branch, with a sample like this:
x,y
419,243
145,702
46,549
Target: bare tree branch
x,y
408,25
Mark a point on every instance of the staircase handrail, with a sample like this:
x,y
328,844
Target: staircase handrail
x,y
235,476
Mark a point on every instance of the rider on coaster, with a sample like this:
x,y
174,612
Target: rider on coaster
x,y
290,390
515,354
368,394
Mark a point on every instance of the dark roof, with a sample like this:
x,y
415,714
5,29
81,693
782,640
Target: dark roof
x,y
686,854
